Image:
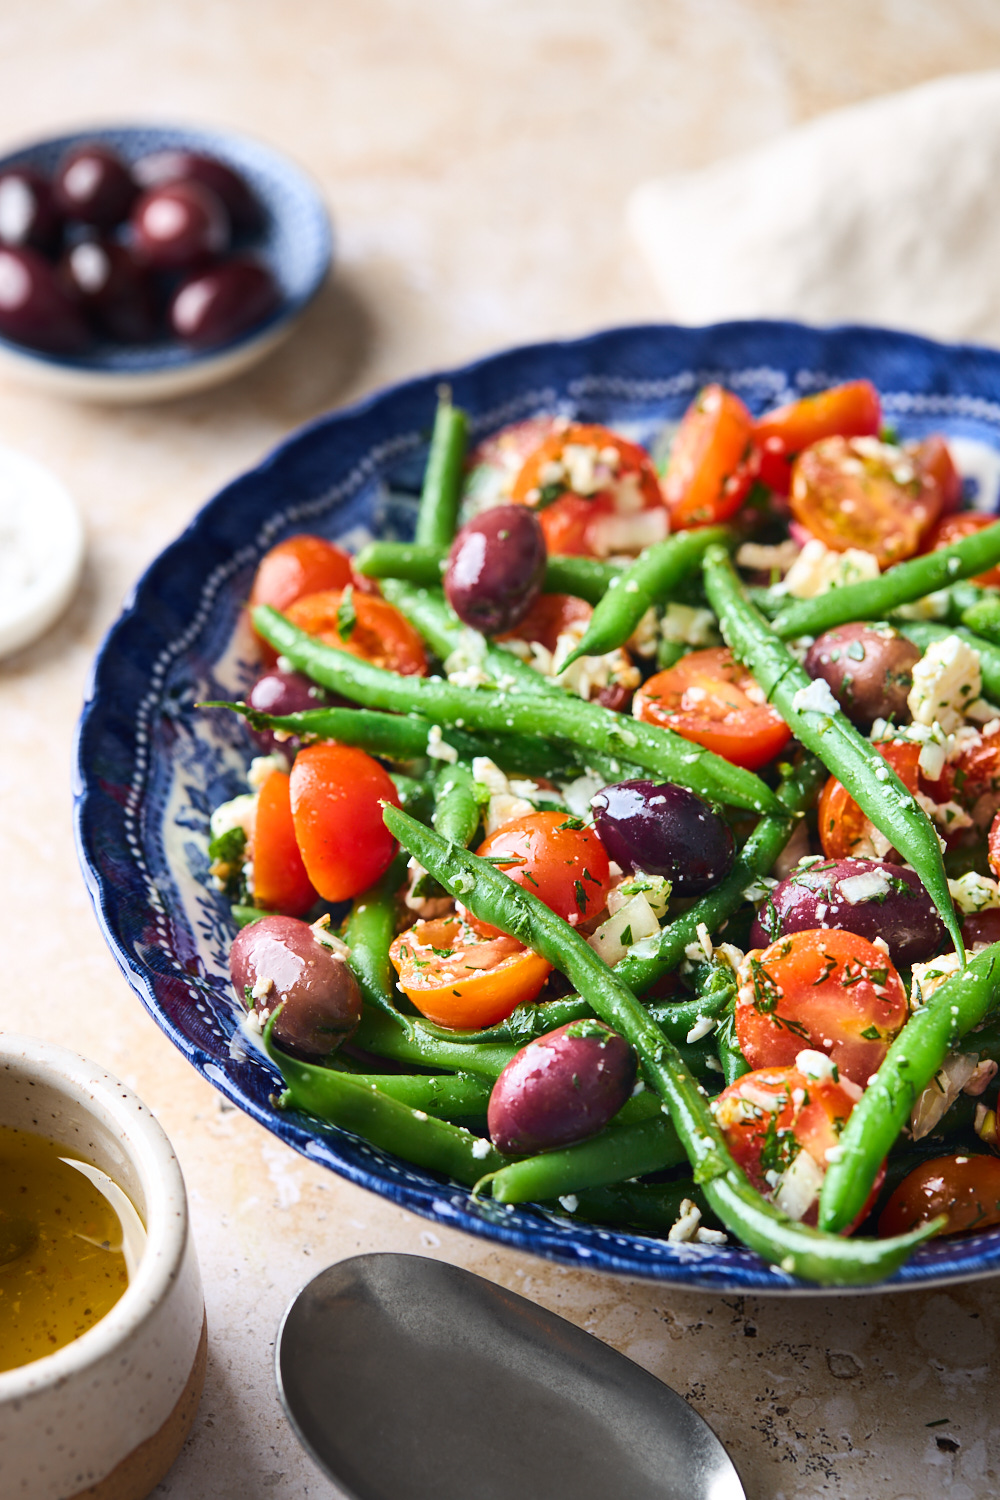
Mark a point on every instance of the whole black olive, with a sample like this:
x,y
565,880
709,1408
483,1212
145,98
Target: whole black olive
x,y
664,830
496,567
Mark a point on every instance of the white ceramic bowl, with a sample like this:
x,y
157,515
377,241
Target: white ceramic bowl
x,y
105,1417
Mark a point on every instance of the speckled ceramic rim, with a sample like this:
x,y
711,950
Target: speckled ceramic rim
x,y
180,620
142,1139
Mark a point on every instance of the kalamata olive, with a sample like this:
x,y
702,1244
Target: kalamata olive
x,y
664,830
176,165
868,896
981,927
217,305
561,1088
277,692
280,961
93,184
496,567
28,215
115,292
176,226
35,308
869,670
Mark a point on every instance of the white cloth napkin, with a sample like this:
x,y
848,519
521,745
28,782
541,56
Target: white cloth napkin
x,y
885,212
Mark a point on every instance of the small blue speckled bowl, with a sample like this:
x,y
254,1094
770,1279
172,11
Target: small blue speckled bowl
x,y
295,243
150,767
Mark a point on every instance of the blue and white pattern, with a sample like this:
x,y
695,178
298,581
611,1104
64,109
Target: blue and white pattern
x,y
150,767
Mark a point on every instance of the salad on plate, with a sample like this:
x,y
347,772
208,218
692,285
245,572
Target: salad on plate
x,y
628,843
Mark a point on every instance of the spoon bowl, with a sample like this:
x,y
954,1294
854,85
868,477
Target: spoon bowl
x,y
410,1379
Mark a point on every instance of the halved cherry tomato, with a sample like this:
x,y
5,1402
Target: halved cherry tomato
x,y
590,485
710,699
993,845
858,492
297,566
713,461
952,529
822,988
456,978
372,628
337,793
934,458
849,410
555,857
549,618
771,1115
966,1189
844,830
972,780
495,462
280,882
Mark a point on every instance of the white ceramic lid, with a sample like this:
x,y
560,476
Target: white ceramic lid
x,y
41,549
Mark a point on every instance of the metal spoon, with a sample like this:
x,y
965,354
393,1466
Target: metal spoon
x,y
410,1379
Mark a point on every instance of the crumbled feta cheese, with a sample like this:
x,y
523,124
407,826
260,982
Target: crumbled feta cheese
x,y
817,569
701,1027
629,924
611,534
816,698
481,1148
685,1226
833,1153
437,748
981,711
730,955
570,1202
974,892
928,977
655,888
262,987
762,559
931,607
800,1185
705,940
815,1064
688,626
945,680
239,812
260,769
869,886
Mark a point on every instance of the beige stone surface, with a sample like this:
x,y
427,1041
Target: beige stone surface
x,y
476,157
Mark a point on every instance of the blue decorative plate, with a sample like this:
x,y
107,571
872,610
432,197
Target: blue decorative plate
x,y
149,767
295,243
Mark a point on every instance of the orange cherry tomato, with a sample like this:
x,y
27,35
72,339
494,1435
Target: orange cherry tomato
x,y
456,978
966,1189
297,566
858,492
769,1116
822,988
280,882
615,480
337,793
933,456
713,461
849,410
709,698
555,857
373,629
844,830
952,529
993,845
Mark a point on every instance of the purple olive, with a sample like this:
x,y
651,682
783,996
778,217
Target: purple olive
x,y
176,165
218,305
869,670
94,185
176,226
277,692
496,567
868,896
28,215
664,830
116,293
279,960
561,1088
35,307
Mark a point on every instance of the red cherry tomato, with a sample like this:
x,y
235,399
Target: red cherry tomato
x,y
372,628
457,978
966,1189
821,988
850,410
857,492
952,529
297,566
280,882
548,618
972,779
993,846
844,830
934,458
615,482
713,461
337,793
560,862
772,1115
710,699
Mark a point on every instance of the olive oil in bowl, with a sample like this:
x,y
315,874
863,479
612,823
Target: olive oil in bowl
x,y
68,1238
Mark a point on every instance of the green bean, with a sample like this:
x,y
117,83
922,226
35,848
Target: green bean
x,y
907,1068
647,581
734,1064
565,718
447,1096
442,489
875,598
376,1034
456,807
444,632
413,1134
583,577
416,795
799,1250
368,932
618,1152
243,916
983,618
873,784
922,633
653,1207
